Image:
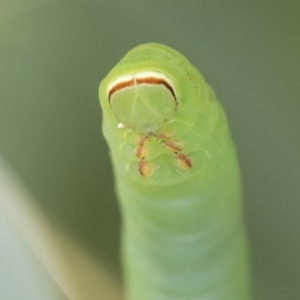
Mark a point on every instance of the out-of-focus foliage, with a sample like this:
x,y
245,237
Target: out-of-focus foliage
x,y
53,55
39,259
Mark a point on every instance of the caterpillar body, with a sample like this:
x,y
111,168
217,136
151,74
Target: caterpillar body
x,y
177,180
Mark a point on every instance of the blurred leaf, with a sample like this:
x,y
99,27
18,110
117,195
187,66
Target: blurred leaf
x,y
38,258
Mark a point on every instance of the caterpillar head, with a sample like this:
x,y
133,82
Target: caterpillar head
x,y
143,101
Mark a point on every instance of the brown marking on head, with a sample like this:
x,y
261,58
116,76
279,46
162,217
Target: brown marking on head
x,y
138,81
173,146
154,80
145,168
119,86
141,151
184,162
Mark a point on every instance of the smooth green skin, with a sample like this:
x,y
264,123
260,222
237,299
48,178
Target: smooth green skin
x,y
182,234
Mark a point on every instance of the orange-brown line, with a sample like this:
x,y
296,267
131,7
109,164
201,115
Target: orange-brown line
x,y
141,166
147,80
119,87
173,146
140,147
185,158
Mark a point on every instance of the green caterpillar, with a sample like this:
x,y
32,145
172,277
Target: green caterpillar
x,y
177,180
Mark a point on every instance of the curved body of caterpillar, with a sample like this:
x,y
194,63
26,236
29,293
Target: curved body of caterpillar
x,y
177,179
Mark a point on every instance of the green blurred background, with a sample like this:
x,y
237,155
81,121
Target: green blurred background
x,y
53,54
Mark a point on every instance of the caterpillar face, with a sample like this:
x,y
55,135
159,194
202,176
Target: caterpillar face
x,y
143,101
157,113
